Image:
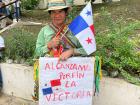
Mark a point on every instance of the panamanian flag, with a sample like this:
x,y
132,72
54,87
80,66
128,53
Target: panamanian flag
x,y
53,86
82,27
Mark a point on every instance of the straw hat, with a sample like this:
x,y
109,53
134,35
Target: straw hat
x,y
57,4
69,2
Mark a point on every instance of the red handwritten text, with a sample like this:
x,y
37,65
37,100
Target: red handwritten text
x,y
70,75
68,66
81,94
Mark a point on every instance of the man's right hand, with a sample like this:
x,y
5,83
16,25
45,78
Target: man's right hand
x,y
55,42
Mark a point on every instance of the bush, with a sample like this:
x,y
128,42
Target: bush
x,y
116,45
20,44
72,13
29,4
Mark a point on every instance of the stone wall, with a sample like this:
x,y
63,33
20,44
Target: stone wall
x,y
17,80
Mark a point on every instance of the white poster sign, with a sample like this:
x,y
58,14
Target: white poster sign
x,y
68,82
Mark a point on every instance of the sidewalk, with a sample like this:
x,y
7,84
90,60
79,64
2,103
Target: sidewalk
x,y
11,100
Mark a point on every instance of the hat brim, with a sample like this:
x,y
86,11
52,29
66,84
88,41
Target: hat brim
x,y
57,8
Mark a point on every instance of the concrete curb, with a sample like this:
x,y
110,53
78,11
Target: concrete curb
x,y
18,81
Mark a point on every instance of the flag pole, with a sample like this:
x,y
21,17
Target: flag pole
x,y
68,40
90,1
64,33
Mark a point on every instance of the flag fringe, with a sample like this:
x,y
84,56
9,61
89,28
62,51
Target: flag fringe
x,y
97,73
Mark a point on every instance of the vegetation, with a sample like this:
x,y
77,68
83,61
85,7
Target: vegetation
x,y
29,4
20,44
117,47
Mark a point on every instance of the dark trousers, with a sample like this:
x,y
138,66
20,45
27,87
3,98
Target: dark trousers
x,y
1,83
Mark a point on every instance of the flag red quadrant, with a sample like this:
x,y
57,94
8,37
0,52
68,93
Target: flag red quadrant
x,y
55,82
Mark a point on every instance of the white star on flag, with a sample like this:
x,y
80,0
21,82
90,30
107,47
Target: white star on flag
x,y
82,27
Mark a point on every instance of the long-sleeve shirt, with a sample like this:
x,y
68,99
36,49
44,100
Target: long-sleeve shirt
x,y
2,45
46,34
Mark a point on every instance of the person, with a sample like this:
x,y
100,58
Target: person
x,y
48,39
54,40
16,6
2,14
5,19
2,47
7,10
1,9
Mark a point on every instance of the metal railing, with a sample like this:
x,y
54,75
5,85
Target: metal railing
x,y
15,11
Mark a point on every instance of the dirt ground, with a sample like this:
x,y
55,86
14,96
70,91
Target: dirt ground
x,y
124,8
11,100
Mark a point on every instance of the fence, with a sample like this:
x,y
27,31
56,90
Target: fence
x,y
15,10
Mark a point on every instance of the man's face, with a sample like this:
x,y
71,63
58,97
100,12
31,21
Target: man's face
x,y
58,17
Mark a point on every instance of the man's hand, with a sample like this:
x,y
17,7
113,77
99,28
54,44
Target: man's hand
x,y
65,55
55,42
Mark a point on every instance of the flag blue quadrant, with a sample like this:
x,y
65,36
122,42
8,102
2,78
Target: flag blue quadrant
x,y
47,91
77,25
